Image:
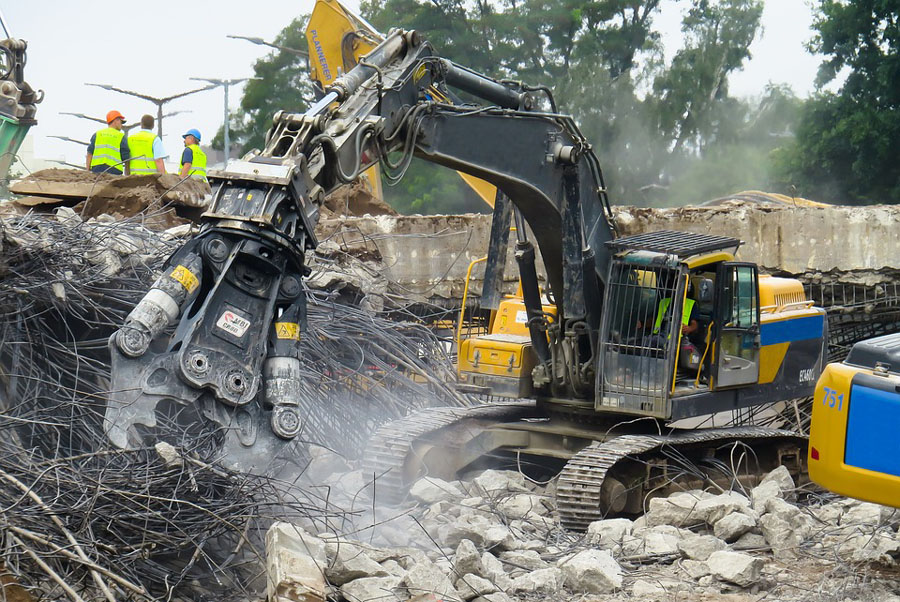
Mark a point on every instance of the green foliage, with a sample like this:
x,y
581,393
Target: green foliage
x,y
690,95
431,189
283,84
844,151
664,133
601,58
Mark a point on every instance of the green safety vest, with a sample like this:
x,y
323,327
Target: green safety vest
x,y
664,305
198,165
141,146
107,148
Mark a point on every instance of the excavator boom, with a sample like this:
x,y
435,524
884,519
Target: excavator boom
x,y
337,38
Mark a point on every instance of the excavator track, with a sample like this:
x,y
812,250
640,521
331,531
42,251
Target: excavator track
x,y
394,456
580,486
391,447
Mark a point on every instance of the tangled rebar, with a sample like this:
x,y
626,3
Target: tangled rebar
x,y
83,521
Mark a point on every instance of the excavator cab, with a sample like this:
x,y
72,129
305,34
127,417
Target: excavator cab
x,y
688,331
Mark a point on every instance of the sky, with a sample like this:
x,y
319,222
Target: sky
x,y
155,48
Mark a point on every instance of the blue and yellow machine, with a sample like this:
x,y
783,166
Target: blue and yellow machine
x,y
753,338
854,444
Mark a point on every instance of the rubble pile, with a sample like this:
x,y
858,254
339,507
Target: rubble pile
x,y
169,525
163,201
495,537
146,524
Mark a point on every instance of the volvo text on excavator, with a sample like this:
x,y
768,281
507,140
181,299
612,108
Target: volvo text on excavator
x,y
630,334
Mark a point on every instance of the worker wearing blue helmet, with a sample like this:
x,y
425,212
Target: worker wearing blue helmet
x,y
193,159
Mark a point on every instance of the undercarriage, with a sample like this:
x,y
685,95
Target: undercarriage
x,y
607,467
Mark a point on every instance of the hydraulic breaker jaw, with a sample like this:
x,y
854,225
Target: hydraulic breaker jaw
x,y
218,334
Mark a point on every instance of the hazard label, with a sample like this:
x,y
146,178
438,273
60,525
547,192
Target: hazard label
x,y
185,277
232,323
287,330
521,317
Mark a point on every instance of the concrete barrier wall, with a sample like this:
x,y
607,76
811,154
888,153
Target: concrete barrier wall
x,y
797,240
428,256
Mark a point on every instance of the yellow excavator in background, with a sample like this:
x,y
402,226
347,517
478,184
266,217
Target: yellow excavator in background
x,y
337,38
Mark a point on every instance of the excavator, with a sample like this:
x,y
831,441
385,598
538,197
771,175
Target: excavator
x,y
629,336
18,100
853,445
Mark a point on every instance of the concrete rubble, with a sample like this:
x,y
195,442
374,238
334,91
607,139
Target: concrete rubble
x,y
162,201
693,545
367,248
495,536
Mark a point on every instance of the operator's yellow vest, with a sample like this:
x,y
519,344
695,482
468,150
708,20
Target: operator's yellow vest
x,y
664,306
141,146
107,148
198,165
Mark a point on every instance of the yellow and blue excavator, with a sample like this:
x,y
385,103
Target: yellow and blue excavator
x,y
630,335
854,447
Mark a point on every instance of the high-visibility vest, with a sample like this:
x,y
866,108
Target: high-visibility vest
x,y
664,306
141,146
198,165
107,148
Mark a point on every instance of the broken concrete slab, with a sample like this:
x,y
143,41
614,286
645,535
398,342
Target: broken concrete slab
x,y
429,490
523,506
493,482
468,526
470,586
542,582
77,184
592,572
351,562
735,567
467,559
427,578
294,563
730,527
372,589
699,547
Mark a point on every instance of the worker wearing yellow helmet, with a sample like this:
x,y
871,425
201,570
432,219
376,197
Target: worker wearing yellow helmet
x,y
193,159
108,150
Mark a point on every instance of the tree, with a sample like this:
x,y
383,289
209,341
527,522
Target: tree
x,y
844,151
649,123
691,93
283,84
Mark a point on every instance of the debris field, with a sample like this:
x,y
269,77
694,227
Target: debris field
x,y
84,521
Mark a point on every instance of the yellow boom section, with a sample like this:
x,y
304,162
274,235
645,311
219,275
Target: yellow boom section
x,y
337,38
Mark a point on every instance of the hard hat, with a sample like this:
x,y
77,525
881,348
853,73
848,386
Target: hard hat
x,y
192,132
113,115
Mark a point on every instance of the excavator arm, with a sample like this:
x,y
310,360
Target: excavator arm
x,y
337,38
220,329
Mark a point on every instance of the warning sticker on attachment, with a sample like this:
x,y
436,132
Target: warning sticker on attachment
x,y
186,278
232,323
287,330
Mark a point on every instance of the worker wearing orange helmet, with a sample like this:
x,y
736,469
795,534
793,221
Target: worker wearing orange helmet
x,y
108,151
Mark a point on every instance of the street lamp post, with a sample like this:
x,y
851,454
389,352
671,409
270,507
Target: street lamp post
x,y
101,120
67,139
159,102
262,42
224,83
125,128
